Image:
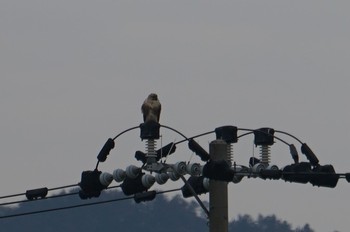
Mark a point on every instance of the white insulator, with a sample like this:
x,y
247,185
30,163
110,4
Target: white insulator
x,y
148,180
119,175
236,178
206,183
194,169
265,154
173,176
106,178
162,178
180,168
272,167
258,167
132,171
230,153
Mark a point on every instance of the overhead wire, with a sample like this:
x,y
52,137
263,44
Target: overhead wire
x,y
50,189
49,197
79,205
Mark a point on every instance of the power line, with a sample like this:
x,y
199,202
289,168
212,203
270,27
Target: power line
x,y
51,189
79,205
50,197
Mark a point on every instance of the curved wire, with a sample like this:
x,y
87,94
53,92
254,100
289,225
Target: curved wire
x,y
242,135
196,136
78,205
282,132
167,127
123,132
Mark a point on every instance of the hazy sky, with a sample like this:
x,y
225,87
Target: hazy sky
x,y
73,73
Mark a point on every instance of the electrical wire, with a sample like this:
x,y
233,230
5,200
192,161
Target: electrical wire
x,y
168,127
196,136
79,205
50,197
123,132
282,132
51,189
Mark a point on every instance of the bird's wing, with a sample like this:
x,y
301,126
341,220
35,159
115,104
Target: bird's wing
x,y
145,109
159,110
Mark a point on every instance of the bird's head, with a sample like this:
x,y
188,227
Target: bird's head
x,y
153,96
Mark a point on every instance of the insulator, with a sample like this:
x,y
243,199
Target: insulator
x,y
180,168
132,171
265,154
119,175
109,145
173,176
237,178
272,167
206,183
310,155
194,169
258,167
230,153
145,196
151,145
106,178
36,193
148,180
162,178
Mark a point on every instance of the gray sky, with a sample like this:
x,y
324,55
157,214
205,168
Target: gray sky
x,y
73,73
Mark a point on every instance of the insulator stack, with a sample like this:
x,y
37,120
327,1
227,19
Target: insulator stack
x,y
229,135
265,154
264,137
150,132
151,145
230,157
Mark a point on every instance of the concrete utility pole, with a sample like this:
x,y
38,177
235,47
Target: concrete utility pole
x,y
218,196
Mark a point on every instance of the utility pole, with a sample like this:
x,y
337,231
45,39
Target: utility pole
x,y
218,196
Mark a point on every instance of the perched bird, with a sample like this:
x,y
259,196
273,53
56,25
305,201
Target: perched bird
x,y
151,108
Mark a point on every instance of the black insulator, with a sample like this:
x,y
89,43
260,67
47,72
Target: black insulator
x,y
271,174
146,196
109,145
36,193
347,176
253,161
294,153
196,148
132,186
150,130
299,173
306,150
218,170
324,176
227,133
264,136
166,150
197,185
140,156
90,184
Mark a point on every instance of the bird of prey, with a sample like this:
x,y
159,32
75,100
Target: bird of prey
x,y
151,108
